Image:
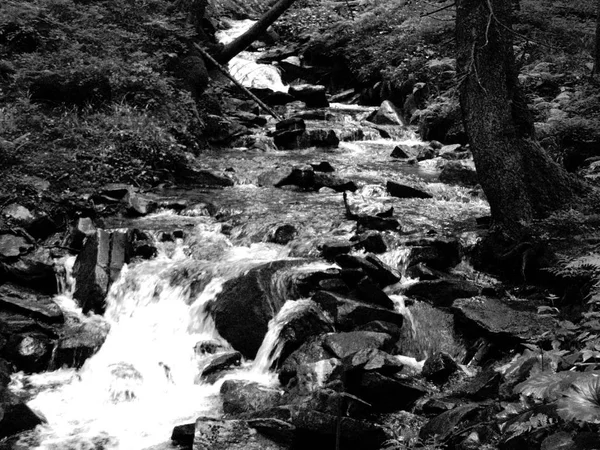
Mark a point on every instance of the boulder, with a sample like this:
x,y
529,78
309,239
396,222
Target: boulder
x,y
349,314
240,397
31,272
345,344
371,242
372,360
456,173
307,179
426,153
29,351
191,176
441,427
283,234
15,416
27,302
138,204
219,363
376,269
498,321
243,309
387,114
79,88
442,121
369,292
78,341
442,292
219,434
439,367
403,191
97,267
13,246
310,352
313,95
18,214
437,253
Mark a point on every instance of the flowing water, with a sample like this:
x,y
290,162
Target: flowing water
x,y
144,379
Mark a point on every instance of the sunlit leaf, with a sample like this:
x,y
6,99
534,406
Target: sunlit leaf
x,y
546,385
582,401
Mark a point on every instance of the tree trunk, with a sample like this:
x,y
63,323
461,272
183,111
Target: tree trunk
x,y
519,179
243,41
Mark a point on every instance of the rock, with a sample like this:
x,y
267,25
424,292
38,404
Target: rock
x,y
456,173
19,214
372,359
387,114
78,341
240,396
442,426
316,429
31,272
437,253
403,191
29,351
276,429
139,204
141,245
15,416
426,153
113,192
283,234
97,267
26,301
371,242
400,152
313,95
310,352
209,347
442,292
384,393
377,270
243,309
345,344
5,371
330,250
442,121
343,97
201,178
439,367
323,166
307,179
79,88
218,434
349,314
380,326
183,435
499,322
220,363
369,292
12,246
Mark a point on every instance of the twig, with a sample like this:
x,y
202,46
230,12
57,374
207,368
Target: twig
x,y
438,10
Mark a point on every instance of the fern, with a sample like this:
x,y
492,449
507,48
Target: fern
x,y
535,422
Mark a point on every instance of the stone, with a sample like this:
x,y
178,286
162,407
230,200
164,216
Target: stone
x,y
310,352
183,435
456,173
437,253
370,293
97,267
31,272
387,114
371,242
219,434
426,153
403,191
191,176
283,234
209,347
246,304
348,314
499,322
29,351
15,416
402,152
220,363
240,397
345,344
139,204
330,250
313,95
372,359
442,292
442,121
377,270
78,341
28,302
323,166
12,246
380,326
440,427
439,367
19,214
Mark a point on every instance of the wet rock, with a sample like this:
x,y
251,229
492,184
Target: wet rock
x,y
84,227
313,95
28,302
78,341
97,267
323,166
283,234
19,214
423,272
442,426
29,351
310,352
402,152
183,435
377,270
139,204
330,250
498,321
218,434
369,292
317,430
307,179
12,246
457,173
345,344
243,309
201,178
30,272
220,363
387,114
403,191
5,371
208,347
275,429
380,326
240,396
334,182
426,153
371,242
141,245
79,88
349,314
439,367
273,98
15,416
442,121
437,253
113,192
372,359
384,393
442,292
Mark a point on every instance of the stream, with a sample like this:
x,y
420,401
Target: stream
x,y
144,379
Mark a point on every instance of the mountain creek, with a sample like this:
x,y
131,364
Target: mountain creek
x,y
324,297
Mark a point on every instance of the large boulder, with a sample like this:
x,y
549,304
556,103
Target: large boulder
x,y
97,267
442,292
345,344
79,339
218,434
15,416
313,95
13,246
29,303
243,309
456,173
387,114
240,397
442,121
33,271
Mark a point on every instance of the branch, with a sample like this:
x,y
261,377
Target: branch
x,y
438,10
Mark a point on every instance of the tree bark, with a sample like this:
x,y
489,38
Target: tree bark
x,y
597,48
243,41
520,180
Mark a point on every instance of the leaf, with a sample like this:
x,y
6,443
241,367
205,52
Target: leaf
x,y
582,401
547,386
